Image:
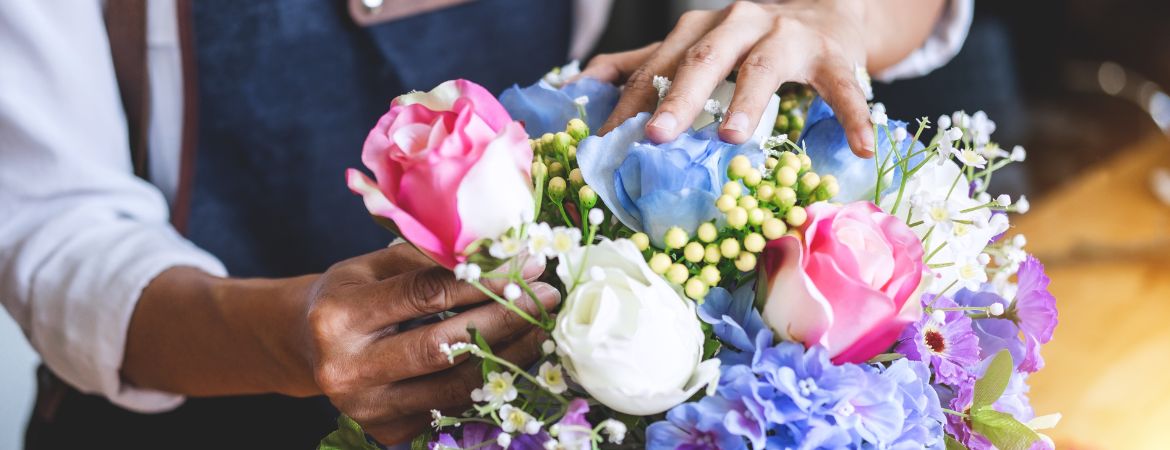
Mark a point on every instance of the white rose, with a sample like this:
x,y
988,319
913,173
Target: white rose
x,y
625,335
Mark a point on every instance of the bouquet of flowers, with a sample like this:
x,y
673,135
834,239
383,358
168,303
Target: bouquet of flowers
x,y
777,294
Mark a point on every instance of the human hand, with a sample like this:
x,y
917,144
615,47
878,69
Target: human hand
x,y
815,42
386,378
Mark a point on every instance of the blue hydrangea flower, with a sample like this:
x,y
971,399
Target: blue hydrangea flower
x,y
735,320
546,109
694,426
824,139
747,396
652,187
832,404
923,427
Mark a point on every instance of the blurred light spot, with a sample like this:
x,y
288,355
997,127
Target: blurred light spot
x,y
1159,108
1111,77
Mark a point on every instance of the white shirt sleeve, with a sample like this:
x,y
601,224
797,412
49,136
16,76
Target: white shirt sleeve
x,y
80,235
943,44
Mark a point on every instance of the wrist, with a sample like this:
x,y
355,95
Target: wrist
x,y
272,312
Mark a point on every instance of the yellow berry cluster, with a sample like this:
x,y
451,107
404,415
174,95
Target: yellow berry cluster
x,y
556,175
758,206
793,102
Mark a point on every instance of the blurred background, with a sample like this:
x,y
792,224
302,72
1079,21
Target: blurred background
x,y
1081,84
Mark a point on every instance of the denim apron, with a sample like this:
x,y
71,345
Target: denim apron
x,y
288,90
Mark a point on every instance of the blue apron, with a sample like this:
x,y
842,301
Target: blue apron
x,y
288,90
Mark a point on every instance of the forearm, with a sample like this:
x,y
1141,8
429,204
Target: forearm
x,y
895,28
200,335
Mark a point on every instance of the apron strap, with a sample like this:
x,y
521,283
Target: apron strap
x,y
126,28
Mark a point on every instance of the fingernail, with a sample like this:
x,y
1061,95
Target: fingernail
x,y
546,292
737,121
533,268
664,121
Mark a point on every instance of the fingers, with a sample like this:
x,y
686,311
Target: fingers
x,y
703,66
615,68
417,352
385,263
639,94
836,82
770,63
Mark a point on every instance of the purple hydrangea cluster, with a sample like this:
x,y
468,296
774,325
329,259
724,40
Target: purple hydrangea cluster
x,y
784,396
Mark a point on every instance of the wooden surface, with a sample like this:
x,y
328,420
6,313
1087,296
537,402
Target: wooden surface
x,y
1105,240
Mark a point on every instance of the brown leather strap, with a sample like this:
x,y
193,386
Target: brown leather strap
x,y
181,207
126,28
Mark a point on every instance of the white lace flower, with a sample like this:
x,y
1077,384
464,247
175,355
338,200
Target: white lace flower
x,y
469,272
713,107
514,419
500,388
561,75
506,247
878,115
1018,154
971,274
564,240
436,418
504,440
540,239
552,377
970,158
662,84
615,429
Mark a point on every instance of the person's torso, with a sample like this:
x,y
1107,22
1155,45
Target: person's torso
x,y
287,91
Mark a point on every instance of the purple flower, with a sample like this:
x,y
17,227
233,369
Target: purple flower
x,y
694,426
994,334
473,434
573,429
1034,310
950,347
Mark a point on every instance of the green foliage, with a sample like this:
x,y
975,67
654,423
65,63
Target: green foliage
x,y
953,444
349,436
995,380
422,441
488,365
1003,430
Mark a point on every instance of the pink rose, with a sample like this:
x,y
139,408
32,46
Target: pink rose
x,y
452,167
851,285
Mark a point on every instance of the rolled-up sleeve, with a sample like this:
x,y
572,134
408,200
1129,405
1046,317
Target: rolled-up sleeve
x,y
80,235
944,43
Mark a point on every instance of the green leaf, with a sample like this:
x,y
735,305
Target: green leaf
x,y
349,436
953,444
488,366
989,388
422,441
1003,430
886,357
